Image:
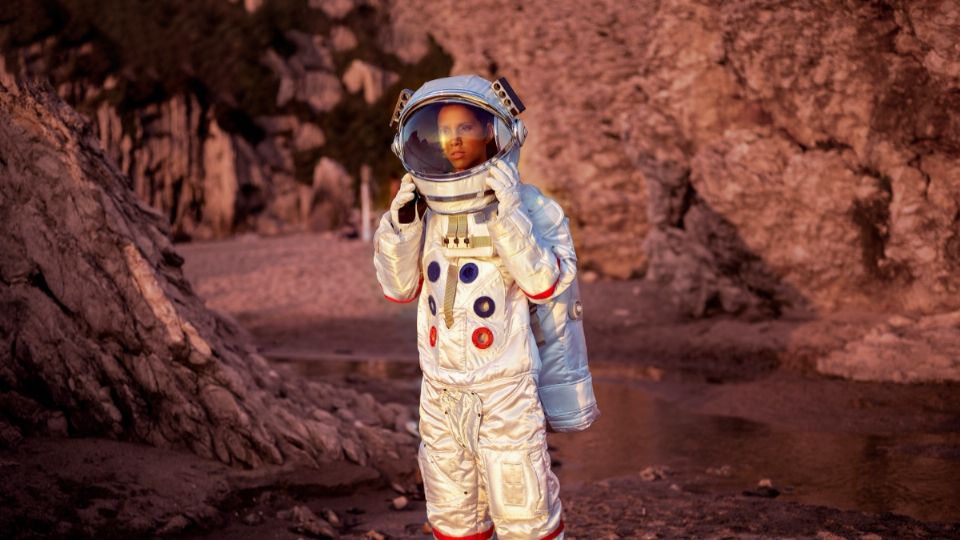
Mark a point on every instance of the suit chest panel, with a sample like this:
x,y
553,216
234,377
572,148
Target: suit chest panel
x,y
471,312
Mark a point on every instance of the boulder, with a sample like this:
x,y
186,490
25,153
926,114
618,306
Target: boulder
x,y
321,90
342,38
308,136
335,9
369,78
332,197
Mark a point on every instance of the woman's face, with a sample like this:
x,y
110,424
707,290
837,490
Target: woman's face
x,y
463,138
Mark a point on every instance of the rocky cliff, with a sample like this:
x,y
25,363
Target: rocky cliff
x,y
751,156
230,117
102,335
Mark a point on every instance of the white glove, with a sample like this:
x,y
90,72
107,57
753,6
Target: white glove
x,y
403,197
504,180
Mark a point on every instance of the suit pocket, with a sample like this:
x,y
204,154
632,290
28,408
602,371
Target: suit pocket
x,y
516,483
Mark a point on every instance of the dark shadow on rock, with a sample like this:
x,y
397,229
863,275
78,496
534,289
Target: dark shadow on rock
x,y
700,264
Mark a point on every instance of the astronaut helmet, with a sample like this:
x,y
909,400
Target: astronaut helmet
x,y
450,131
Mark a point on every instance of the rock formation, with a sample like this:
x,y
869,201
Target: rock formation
x,y
232,146
372,80
751,157
901,349
102,335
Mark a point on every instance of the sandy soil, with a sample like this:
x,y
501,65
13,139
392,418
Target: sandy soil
x,y
312,300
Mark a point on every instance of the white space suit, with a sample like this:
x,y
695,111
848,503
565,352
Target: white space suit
x,y
485,248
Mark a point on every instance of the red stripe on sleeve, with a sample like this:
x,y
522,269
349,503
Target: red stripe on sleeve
x,y
408,300
548,292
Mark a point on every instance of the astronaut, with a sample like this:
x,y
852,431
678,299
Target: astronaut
x,y
492,265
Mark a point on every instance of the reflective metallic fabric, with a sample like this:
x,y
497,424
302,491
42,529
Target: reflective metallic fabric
x,y
483,455
484,460
565,384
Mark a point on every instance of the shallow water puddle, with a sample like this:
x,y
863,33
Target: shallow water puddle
x,y
914,475
869,473
345,364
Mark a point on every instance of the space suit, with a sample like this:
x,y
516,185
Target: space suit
x,y
492,265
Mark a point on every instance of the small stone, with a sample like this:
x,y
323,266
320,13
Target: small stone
x,y
899,321
589,276
375,535
332,517
724,471
398,488
10,435
306,521
176,524
253,518
764,489
400,503
57,425
652,473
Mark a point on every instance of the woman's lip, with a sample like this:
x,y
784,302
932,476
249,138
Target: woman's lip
x,y
456,155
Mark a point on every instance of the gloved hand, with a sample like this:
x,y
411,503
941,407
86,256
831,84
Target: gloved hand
x,y
504,180
402,209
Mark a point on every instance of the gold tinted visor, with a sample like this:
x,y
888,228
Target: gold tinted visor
x,y
447,137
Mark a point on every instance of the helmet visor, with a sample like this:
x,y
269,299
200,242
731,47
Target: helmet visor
x,y
450,136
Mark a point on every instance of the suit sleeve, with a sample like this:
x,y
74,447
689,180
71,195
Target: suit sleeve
x,y
397,254
534,244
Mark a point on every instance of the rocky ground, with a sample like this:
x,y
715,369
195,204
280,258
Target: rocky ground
x,y
311,301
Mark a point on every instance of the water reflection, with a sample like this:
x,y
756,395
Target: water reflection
x,y
869,473
914,475
342,365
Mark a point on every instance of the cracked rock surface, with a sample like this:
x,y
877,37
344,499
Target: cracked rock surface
x,y
103,336
752,157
